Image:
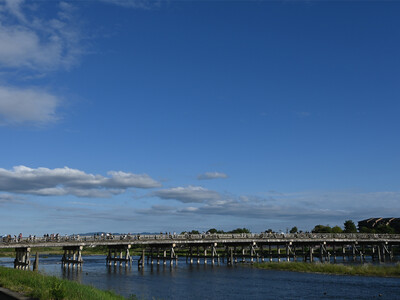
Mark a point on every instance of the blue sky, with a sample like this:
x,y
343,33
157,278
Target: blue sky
x,y
132,116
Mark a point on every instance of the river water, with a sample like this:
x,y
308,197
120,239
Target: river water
x,y
185,281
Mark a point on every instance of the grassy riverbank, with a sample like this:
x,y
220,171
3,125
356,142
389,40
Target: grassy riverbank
x,y
43,287
339,269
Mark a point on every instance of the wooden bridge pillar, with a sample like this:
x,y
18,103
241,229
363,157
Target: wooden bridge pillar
x,y
230,259
269,252
252,252
22,258
214,254
119,254
334,253
344,252
72,256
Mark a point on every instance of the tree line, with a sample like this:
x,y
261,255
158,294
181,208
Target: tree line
x,y
350,227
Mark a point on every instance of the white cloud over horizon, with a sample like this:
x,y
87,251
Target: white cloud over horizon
x,y
66,181
306,207
212,175
189,194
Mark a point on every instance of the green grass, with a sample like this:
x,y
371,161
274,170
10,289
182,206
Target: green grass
x,y
339,269
39,286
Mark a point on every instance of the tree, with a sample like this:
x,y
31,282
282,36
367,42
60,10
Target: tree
x,y
337,229
212,230
294,230
322,229
364,229
350,227
240,230
385,229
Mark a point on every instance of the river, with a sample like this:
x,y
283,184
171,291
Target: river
x,y
185,281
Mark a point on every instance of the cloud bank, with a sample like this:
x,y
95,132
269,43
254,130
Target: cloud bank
x,y
190,194
19,106
211,175
305,207
66,181
139,4
29,41
32,45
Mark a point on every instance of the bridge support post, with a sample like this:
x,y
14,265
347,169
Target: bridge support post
x,y
344,252
334,253
72,256
373,253
36,262
214,253
311,254
142,259
22,258
278,250
116,255
269,253
288,251
252,252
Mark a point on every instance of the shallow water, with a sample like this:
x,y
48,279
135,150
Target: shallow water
x,y
186,281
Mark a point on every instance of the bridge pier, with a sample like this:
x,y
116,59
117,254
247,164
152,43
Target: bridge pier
x,y
118,253
22,258
72,256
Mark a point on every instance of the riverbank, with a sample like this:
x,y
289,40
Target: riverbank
x,y
43,287
338,269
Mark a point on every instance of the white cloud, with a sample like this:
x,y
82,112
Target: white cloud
x,y
18,106
141,4
189,194
211,175
66,181
40,44
306,208
8,198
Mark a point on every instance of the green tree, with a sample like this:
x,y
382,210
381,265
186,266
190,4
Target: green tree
x,y
240,230
294,230
350,227
194,232
212,230
337,229
364,229
384,229
322,229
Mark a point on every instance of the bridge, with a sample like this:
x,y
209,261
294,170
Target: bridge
x,y
214,248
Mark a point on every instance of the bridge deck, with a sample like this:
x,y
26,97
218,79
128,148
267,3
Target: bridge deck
x,y
205,239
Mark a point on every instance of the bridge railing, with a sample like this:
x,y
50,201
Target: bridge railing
x,y
187,237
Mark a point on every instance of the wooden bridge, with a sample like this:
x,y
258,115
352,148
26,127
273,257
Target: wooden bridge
x,y
215,248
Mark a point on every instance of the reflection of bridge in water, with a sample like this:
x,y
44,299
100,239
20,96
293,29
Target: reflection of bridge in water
x,y
216,248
